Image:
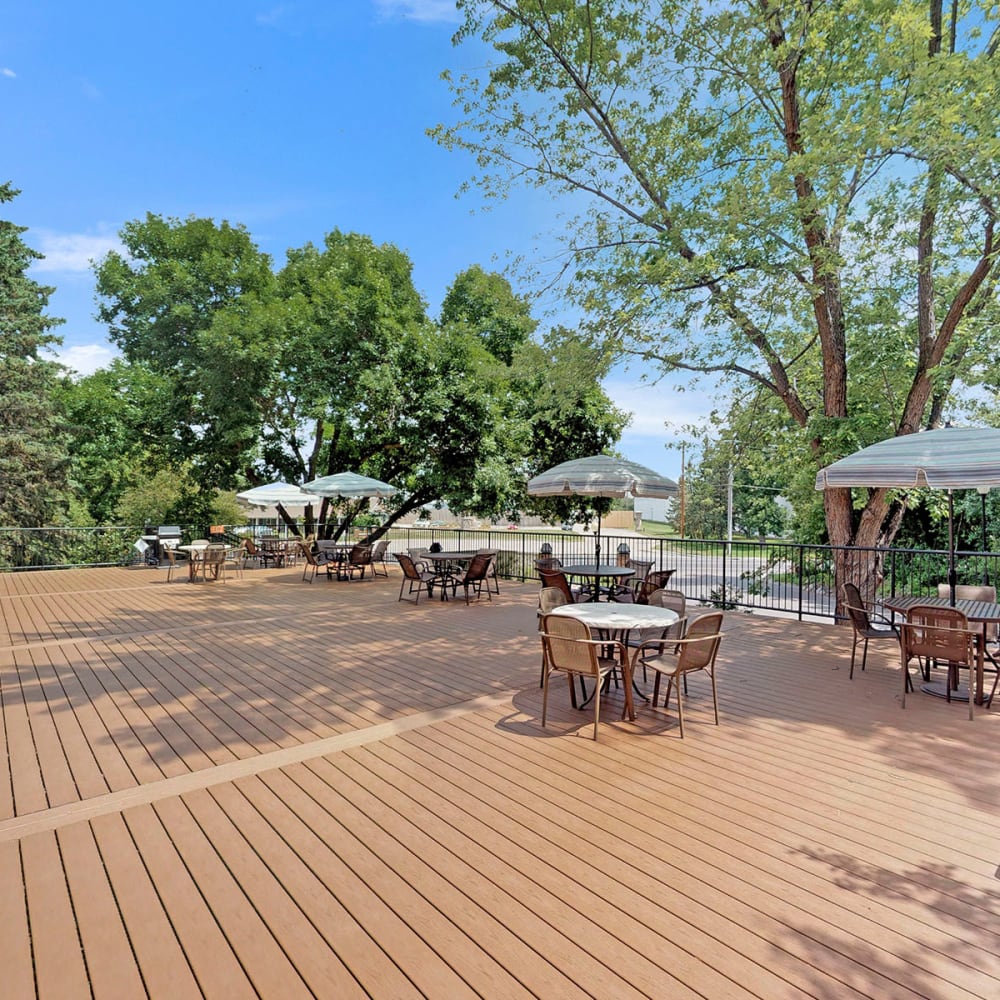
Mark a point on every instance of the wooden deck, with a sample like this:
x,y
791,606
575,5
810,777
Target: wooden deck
x,y
275,789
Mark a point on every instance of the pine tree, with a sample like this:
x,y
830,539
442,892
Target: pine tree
x,y
32,444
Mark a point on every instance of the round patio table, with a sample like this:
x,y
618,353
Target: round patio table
x,y
609,571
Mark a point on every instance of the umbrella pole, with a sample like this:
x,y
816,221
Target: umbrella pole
x,y
952,575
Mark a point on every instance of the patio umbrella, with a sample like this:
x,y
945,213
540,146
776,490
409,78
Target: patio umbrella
x,y
601,476
951,458
272,494
350,486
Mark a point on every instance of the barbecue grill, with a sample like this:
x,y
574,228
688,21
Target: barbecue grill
x,y
166,536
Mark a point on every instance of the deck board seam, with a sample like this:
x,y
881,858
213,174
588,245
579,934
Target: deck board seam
x,y
58,817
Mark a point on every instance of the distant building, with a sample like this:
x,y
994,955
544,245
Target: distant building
x,y
653,509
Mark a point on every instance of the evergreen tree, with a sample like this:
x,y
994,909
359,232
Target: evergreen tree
x,y
32,451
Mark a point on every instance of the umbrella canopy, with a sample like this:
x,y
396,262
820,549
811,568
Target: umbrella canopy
x,y
272,494
951,458
601,476
350,486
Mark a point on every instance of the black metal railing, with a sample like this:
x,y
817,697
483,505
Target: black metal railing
x,y
777,577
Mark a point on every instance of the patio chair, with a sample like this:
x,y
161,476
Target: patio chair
x,y
675,601
569,648
213,562
262,556
631,588
236,557
315,561
417,577
936,634
556,578
358,560
475,577
549,598
174,559
655,580
867,625
548,562
676,658
379,558
492,577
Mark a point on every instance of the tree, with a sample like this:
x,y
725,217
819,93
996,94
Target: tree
x,y
803,194
32,445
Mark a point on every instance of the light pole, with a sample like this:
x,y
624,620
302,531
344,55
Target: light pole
x,y
983,491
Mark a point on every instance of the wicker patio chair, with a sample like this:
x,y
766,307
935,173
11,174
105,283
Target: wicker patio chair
x,y
677,658
174,559
655,580
417,577
867,625
556,578
379,558
475,577
569,648
357,561
942,635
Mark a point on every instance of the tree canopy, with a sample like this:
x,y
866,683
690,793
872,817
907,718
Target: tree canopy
x,y
32,433
800,195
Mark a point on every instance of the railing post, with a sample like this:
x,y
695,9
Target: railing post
x,y
725,551
802,576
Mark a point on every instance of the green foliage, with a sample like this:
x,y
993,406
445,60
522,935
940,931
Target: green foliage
x,y
799,197
32,446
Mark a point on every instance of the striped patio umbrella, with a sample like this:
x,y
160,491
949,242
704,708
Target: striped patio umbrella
x,y
350,486
601,476
272,494
951,458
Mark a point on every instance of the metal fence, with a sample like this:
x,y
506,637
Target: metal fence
x,y
776,577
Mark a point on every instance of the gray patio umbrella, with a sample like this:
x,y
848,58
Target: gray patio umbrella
x,y
601,476
350,486
272,494
951,458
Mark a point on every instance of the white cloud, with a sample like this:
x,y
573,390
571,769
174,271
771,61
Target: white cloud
x,y
6,71
70,251
85,359
653,406
419,10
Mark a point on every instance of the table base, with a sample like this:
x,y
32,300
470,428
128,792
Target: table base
x,y
939,689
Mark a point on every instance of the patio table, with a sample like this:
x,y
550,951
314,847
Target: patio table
x,y
612,573
619,620
981,613
445,564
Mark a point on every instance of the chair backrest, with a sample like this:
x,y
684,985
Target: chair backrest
x,y
655,580
672,599
550,598
251,546
556,578
856,607
940,633
548,562
478,567
968,592
641,567
307,551
378,553
566,645
214,554
361,554
407,565
701,644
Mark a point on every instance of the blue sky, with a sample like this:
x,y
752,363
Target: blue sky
x,y
290,118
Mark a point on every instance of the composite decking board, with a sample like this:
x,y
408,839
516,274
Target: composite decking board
x,y
330,788
25,770
583,946
60,970
6,771
68,714
162,963
15,941
303,856
455,926
265,963
178,712
306,829
188,907
705,858
230,824
110,960
686,936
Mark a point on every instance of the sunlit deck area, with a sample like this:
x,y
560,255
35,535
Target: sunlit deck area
x,y
271,788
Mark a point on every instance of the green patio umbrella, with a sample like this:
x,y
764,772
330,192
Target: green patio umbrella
x,y
601,476
272,494
951,458
350,486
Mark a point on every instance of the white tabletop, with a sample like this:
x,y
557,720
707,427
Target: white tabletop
x,y
619,616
